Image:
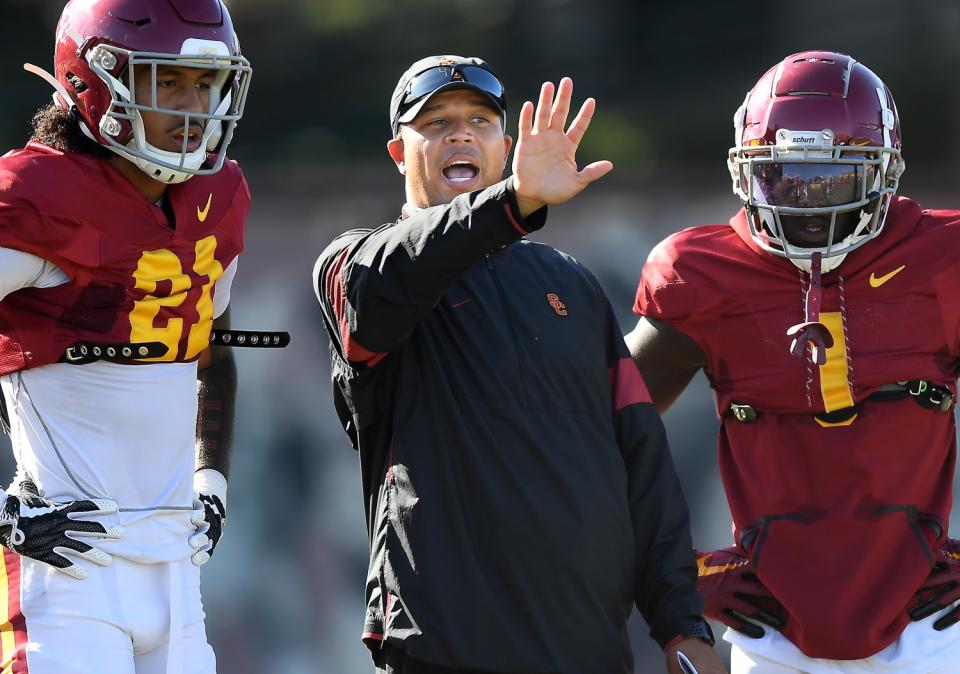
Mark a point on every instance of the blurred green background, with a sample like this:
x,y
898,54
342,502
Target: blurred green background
x,y
283,593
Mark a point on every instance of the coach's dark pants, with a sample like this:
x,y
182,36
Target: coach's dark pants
x,y
392,660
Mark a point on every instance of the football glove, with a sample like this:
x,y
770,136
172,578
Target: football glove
x,y
733,594
209,513
49,532
941,588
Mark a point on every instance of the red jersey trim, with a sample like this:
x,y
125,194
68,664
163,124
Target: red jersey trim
x,y
513,220
337,294
626,385
13,626
673,642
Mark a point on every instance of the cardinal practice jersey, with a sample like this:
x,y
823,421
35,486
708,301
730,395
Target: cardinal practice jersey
x,y
109,430
839,513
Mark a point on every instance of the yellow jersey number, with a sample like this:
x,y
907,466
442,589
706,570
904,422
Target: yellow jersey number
x,y
163,265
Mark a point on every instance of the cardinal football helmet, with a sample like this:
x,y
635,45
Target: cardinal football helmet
x,y
104,45
817,136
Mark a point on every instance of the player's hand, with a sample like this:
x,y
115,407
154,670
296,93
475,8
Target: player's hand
x,y
51,532
734,595
545,161
209,513
700,654
941,588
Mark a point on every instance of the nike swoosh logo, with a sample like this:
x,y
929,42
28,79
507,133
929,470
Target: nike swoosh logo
x,y
202,214
876,282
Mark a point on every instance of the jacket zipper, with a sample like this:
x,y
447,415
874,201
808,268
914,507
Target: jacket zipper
x,y
521,366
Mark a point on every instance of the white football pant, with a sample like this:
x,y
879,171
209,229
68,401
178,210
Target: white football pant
x,y
126,618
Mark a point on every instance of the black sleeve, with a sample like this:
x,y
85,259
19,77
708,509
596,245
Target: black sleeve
x,y
216,405
376,285
666,579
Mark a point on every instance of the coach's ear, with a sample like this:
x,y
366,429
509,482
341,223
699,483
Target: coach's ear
x,y
395,148
507,144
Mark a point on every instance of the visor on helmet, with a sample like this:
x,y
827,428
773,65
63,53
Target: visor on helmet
x,y
814,180
805,186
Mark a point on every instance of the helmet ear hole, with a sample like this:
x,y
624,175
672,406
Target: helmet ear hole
x,y
78,85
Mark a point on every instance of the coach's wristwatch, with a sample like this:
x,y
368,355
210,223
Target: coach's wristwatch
x,y
695,627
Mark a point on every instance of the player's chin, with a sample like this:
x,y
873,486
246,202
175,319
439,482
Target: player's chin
x,y
805,232
174,142
178,146
814,231
807,241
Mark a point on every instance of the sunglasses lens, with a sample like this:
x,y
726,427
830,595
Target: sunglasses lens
x,y
428,81
482,79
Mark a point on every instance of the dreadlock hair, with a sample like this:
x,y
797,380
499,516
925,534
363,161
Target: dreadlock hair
x,y
60,129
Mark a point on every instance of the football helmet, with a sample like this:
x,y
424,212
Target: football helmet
x,y
103,46
817,136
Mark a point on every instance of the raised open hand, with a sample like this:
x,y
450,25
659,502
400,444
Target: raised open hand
x,y
545,161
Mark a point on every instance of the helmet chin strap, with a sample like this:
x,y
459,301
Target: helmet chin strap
x,y
148,157
827,265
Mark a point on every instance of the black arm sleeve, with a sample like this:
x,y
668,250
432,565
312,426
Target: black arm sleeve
x,y
666,566
376,285
216,402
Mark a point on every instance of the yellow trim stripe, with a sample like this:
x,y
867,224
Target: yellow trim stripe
x,y
704,570
836,424
834,384
8,643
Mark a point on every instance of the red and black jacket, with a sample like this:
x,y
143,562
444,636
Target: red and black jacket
x,y
519,492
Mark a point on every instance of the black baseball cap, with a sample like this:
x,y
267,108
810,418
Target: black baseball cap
x,y
433,74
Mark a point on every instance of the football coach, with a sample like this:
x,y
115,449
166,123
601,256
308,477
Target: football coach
x,y
519,491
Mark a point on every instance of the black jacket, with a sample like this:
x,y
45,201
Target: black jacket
x,y
520,495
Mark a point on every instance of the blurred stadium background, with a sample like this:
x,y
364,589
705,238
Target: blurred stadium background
x,y
283,594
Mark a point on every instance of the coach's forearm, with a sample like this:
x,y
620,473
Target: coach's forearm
x,y
216,403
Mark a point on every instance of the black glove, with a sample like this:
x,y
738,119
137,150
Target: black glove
x,y
48,532
733,594
941,588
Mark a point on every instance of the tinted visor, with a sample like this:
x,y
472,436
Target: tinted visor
x,y
809,185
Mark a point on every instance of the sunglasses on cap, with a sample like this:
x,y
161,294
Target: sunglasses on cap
x,y
430,80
